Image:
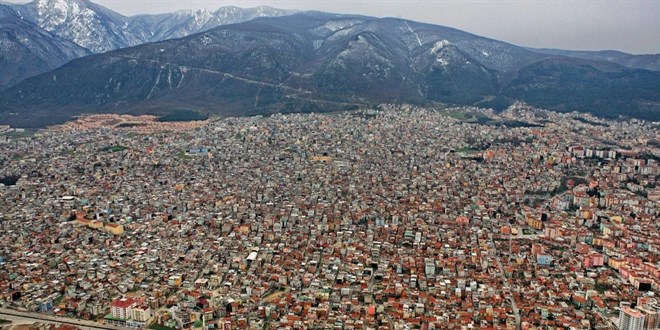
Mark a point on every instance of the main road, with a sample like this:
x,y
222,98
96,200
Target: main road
x,y
507,286
22,317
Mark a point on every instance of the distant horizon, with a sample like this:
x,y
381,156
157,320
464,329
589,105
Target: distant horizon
x,y
625,26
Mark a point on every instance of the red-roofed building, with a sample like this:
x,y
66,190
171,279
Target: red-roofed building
x,y
121,308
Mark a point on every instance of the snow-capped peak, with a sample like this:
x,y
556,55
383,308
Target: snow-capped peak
x,y
88,25
198,17
100,29
263,11
193,12
52,13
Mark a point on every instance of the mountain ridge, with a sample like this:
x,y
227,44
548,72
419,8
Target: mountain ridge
x,y
649,62
312,61
99,29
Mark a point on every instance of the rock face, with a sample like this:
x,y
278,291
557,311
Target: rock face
x,y
89,25
27,50
320,62
45,34
100,29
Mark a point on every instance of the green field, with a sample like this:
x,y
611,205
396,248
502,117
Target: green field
x,y
114,149
159,327
182,155
24,134
457,115
183,115
466,150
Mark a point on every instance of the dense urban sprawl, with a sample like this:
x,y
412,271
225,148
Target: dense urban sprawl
x,y
396,218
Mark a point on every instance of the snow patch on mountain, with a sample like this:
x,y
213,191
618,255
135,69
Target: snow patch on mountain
x,y
439,45
442,61
336,25
419,40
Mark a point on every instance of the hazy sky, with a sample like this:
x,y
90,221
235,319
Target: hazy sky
x,y
627,25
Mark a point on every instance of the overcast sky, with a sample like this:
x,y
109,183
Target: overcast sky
x,y
627,25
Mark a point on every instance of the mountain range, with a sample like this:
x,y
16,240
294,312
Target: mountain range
x,y
100,29
312,61
645,61
82,27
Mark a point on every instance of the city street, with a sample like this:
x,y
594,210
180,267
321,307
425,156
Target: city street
x,y
19,317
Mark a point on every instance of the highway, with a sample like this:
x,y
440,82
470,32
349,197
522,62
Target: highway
x,y
31,317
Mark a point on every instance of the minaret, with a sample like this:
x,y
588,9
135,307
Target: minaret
x,y
510,250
